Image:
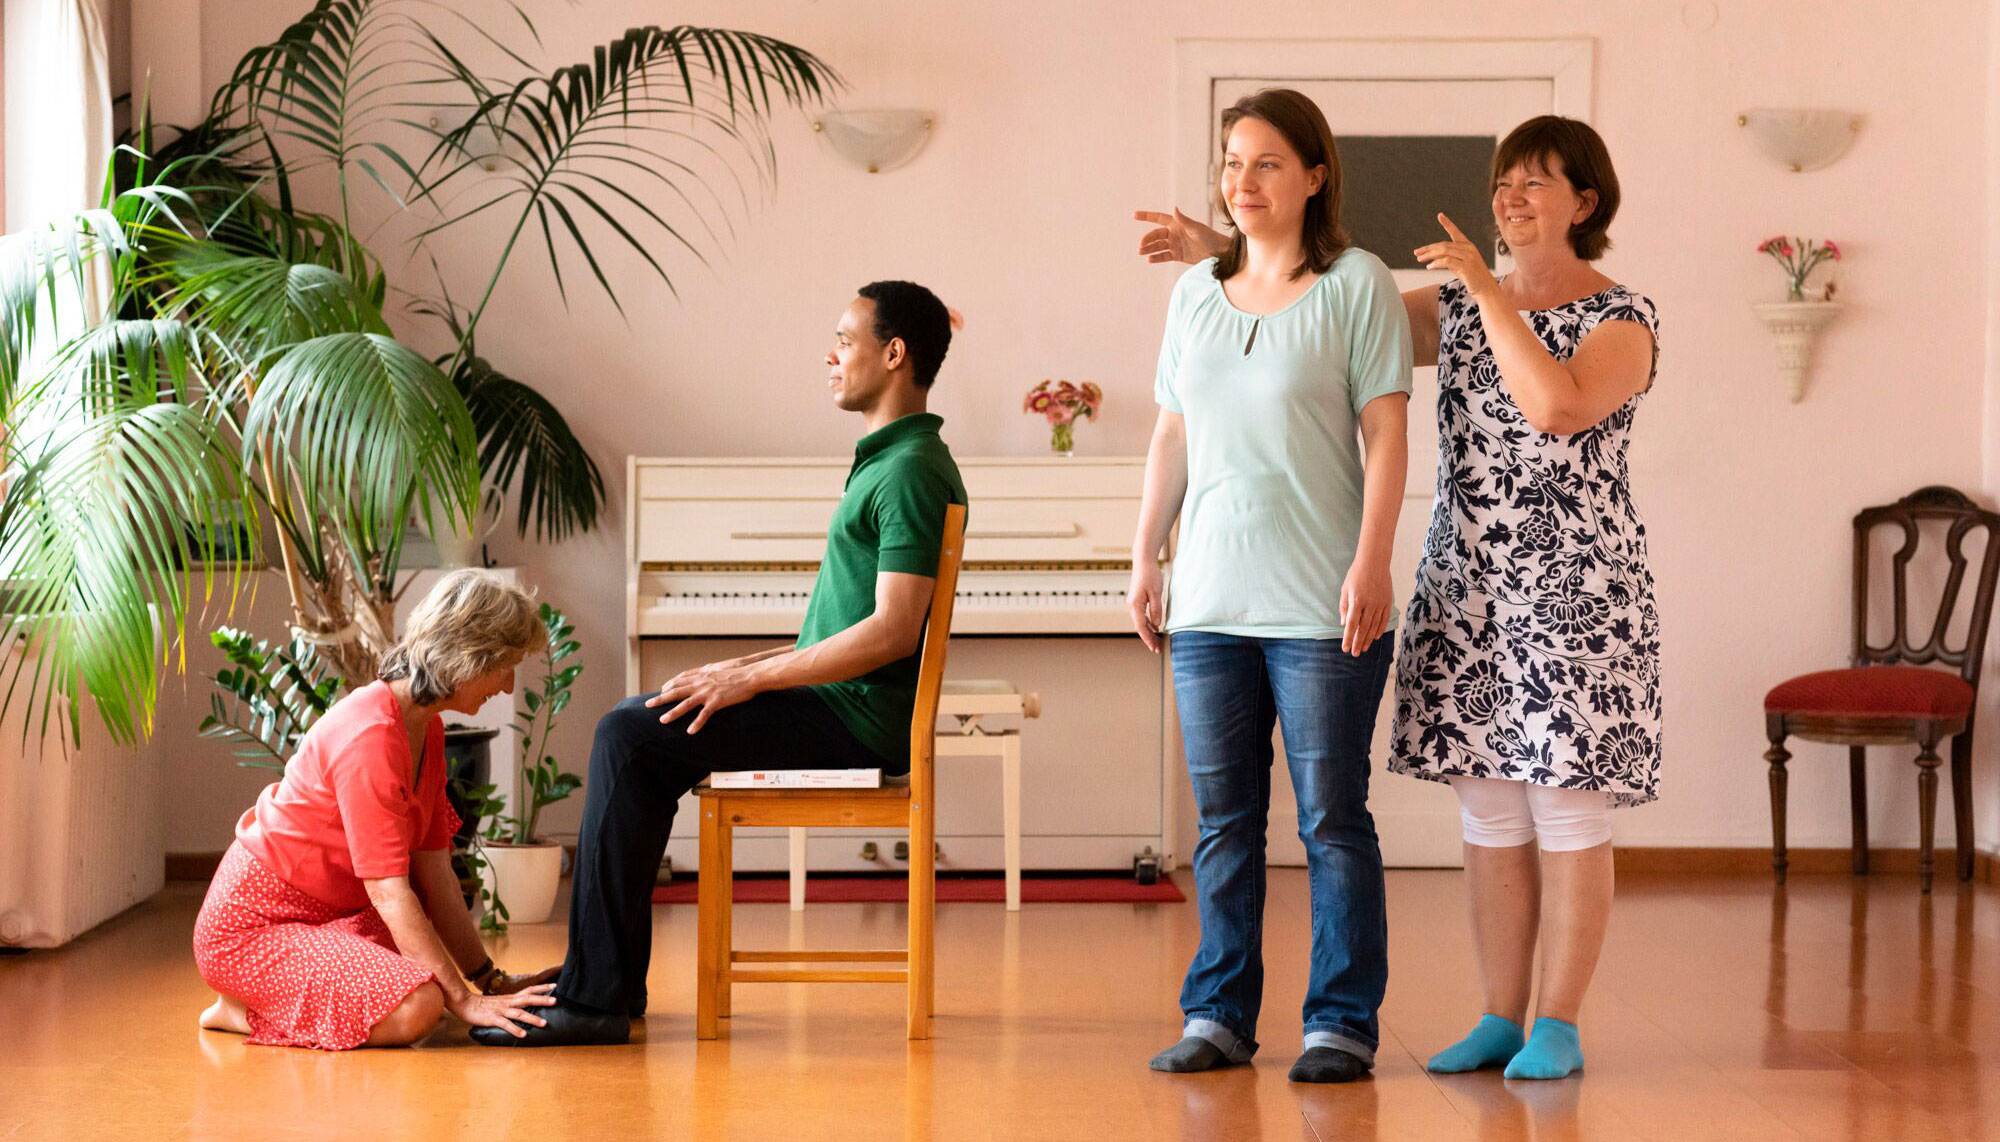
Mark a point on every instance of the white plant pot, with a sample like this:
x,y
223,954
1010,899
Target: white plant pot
x,y
525,877
1796,325
465,548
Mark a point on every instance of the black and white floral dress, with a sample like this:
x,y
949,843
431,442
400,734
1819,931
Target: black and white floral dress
x,y
1531,649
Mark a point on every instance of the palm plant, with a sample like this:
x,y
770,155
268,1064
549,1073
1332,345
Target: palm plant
x,y
224,359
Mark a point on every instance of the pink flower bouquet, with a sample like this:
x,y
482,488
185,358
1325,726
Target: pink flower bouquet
x,y
1799,257
1063,403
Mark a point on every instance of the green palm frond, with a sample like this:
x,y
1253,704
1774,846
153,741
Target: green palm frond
x,y
265,303
43,270
107,486
333,80
648,107
321,85
368,429
524,438
525,443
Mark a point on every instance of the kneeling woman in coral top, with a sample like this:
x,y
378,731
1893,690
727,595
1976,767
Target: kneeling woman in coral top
x,y
335,920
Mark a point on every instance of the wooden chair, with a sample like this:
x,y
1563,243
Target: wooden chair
x,y
899,804
1887,696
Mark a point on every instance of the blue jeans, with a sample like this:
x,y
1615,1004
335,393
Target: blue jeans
x,y
1230,690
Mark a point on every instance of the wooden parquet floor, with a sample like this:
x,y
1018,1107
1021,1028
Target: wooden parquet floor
x,y
1840,1008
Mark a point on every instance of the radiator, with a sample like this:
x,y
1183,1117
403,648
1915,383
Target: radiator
x,y
82,835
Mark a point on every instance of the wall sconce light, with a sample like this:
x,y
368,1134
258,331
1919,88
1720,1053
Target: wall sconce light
x,y
483,144
1798,138
875,141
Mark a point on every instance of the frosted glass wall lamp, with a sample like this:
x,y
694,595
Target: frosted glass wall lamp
x,y
483,144
1798,138
875,141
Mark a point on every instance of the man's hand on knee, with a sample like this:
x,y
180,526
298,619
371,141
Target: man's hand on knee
x,y
704,690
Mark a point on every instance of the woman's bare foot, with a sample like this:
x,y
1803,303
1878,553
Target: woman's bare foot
x,y
226,1014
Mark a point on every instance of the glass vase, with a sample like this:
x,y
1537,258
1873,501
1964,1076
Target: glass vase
x,y
1062,439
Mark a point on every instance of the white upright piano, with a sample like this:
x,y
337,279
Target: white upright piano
x,y
721,558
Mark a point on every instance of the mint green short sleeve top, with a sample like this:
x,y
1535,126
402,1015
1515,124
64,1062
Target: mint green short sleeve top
x,y
1272,405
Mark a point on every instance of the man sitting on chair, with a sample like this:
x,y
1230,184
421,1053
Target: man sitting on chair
x,y
842,697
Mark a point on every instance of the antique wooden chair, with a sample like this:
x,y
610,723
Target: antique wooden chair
x,y
898,803
1888,696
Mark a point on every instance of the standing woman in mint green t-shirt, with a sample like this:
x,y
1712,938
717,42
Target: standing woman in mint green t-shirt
x,y
1278,353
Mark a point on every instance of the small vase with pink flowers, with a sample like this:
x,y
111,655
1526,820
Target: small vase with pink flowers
x,y
1062,404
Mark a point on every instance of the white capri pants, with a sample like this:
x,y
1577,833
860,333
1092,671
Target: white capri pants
x,y
1502,814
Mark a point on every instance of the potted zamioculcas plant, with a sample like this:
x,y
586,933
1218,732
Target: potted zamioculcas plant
x,y
525,869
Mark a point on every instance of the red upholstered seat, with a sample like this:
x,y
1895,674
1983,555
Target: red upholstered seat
x,y
1883,691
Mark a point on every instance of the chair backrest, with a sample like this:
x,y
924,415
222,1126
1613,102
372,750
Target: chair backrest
x,y
930,667
1963,517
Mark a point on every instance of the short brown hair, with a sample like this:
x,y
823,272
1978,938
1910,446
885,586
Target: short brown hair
x,y
1585,163
1303,125
470,623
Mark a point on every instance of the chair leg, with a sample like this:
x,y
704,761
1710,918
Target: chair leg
x,y
1961,798
923,918
1010,811
1857,795
711,890
1778,755
727,907
797,859
1927,783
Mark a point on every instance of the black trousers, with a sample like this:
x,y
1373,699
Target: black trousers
x,y
639,769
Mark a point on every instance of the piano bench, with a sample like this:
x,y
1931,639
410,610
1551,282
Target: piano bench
x,y
967,701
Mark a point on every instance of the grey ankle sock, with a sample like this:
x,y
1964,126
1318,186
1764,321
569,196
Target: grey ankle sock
x,y
1327,1065
1193,1053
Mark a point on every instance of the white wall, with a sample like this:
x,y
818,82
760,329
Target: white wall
x,y
1986,775
1052,124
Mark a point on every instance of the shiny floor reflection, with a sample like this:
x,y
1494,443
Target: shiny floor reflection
x,y
1836,1008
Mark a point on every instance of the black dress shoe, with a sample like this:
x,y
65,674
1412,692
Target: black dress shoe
x,y
570,1025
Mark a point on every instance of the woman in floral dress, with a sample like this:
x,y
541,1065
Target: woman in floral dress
x,y
1528,676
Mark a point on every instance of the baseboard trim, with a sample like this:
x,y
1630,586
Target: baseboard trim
x,y
193,866
1689,860
1757,861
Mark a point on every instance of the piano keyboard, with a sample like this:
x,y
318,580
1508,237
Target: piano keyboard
x,y
979,611
781,600
731,547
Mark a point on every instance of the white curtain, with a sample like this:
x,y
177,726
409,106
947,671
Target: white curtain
x,y
81,831
58,136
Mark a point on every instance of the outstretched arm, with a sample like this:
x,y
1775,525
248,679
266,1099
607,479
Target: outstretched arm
x,y
436,886
1612,365
893,631
1177,238
395,899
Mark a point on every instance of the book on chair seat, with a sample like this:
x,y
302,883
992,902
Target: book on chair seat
x,y
795,779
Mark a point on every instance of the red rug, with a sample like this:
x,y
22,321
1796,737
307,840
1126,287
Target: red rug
x,y
1113,888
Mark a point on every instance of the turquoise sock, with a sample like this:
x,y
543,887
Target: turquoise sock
x,y
1553,1051
1492,1042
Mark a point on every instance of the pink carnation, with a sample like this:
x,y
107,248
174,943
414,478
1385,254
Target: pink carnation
x,y
1833,249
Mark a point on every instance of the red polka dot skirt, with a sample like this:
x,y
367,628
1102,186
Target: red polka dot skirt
x,y
310,974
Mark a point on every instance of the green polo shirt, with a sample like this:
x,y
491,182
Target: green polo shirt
x,y
890,518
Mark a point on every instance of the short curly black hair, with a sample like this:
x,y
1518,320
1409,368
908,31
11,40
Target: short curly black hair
x,y
913,313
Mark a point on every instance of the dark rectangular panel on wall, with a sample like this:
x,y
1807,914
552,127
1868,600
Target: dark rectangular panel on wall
x,y
1394,186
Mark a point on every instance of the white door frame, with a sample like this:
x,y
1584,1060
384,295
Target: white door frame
x,y
1566,63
